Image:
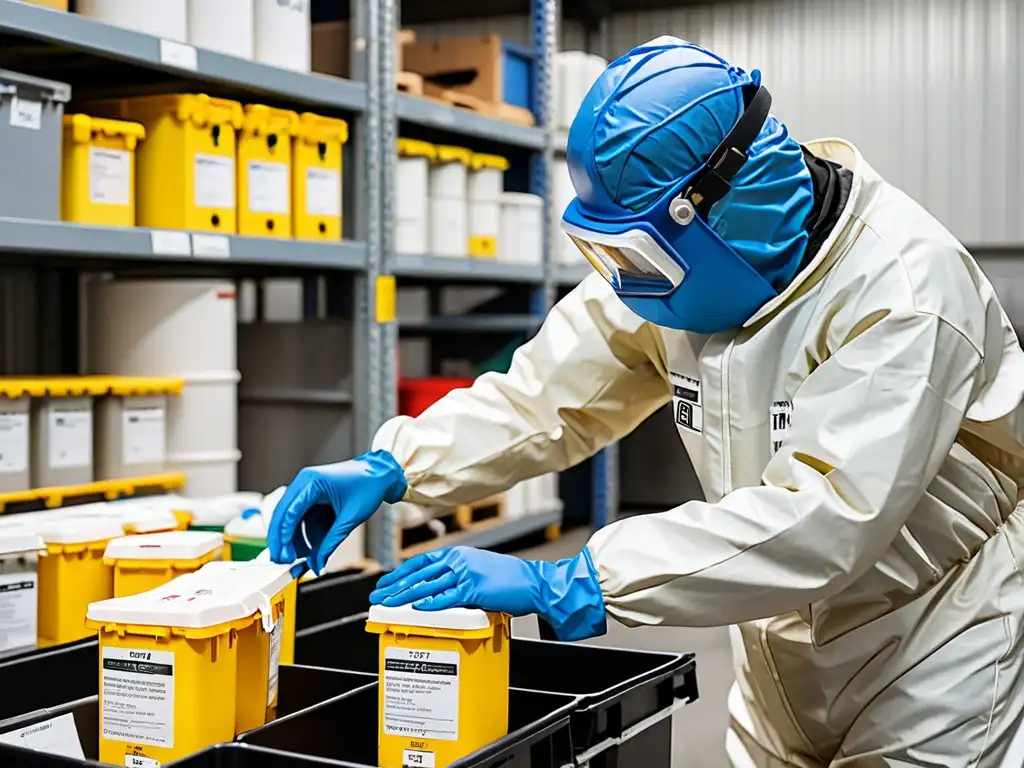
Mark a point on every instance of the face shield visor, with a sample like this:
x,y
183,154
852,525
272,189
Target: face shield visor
x,y
666,263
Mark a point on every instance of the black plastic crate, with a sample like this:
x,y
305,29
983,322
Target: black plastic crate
x,y
333,596
300,688
49,677
626,698
539,732
248,756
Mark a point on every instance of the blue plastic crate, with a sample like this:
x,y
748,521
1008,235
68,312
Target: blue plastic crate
x,y
517,75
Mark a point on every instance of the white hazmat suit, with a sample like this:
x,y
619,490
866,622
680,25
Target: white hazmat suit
x,y
859,443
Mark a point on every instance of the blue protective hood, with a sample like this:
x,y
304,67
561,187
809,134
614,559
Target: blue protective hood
x,y
654,116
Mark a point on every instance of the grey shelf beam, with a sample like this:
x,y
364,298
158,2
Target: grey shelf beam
x,y
109,42
509,532
444,268
572,274
433,115
296,396
25,236
559,141
474,324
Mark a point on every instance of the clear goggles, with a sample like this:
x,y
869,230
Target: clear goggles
x,y
633,262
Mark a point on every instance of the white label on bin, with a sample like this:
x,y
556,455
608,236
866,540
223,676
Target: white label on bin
x,y
421,693
13,442
137,696
70,436
323,192
143,435
110,179
268,187
138,761
26,113
275,661
58,736
175,54
413,758
215,181
18,610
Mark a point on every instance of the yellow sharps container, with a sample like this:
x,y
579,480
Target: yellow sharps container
x,y
265,171
443,683
72,575
148,561
316,176
173,661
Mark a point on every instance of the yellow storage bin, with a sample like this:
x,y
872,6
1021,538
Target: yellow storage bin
x,y
145,562
98,185
175,662
186,166
443,683
316,176
72,575
264,171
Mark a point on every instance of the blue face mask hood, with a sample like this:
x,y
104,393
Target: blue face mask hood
x,y
670,121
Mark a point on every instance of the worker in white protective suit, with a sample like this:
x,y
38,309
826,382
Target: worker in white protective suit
x,y
848,389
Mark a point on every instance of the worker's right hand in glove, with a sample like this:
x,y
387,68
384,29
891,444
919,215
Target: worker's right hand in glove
x,y
567,594
324,504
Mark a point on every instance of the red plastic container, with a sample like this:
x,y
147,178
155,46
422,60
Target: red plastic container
x,y
416,395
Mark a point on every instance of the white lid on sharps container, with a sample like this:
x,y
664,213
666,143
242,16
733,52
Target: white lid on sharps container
x,y
168,545
450,618
140,519
217,593
19,541
81,530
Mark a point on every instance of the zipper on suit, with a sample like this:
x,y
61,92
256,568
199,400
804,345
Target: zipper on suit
x,y
726,428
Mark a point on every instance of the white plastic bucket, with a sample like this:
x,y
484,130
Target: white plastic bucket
x,y
521,239
283,33
449,230
166,18
411,214
449,180
182,328
575,72
562,193
225,26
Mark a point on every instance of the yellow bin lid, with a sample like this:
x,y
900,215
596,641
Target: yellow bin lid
x,y
482,161
261,119
317,128
448,154
417,148
82,129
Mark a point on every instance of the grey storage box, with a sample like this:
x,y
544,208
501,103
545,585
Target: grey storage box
x,y
31,130
130,436
61,441
14,444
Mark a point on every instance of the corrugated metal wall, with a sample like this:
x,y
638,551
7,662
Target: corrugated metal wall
x,y
930,90
515,29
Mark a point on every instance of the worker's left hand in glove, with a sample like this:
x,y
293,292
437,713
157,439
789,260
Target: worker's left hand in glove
x,y
566,593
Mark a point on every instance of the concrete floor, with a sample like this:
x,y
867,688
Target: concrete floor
x,y
699,729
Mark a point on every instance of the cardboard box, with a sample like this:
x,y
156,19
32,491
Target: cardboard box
x,y
470,65
57,5
332,48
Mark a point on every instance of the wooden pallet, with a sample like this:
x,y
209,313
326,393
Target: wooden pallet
x,y
459,100
409,82
465,517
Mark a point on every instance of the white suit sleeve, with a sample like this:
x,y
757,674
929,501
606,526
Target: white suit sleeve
x,y
592,373
870,429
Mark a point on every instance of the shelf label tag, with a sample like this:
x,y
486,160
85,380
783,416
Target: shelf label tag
x,y
166,243
212,246
175,54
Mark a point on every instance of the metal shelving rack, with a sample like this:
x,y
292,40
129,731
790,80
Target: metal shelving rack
x,y
375,111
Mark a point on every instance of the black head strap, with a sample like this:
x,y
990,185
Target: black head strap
x,y
714,180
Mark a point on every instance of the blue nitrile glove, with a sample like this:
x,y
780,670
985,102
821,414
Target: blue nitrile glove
x,y
323,505
566,594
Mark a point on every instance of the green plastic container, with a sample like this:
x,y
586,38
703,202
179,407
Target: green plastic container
x,y
246,549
